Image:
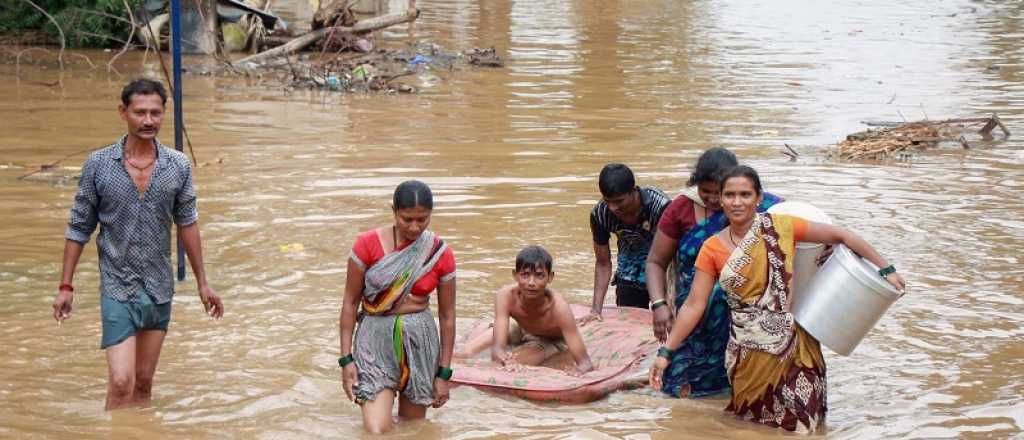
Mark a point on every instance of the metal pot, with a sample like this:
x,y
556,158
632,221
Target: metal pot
x,y
843,301
804,261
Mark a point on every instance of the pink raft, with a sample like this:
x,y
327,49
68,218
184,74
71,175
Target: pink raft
x,y
618,345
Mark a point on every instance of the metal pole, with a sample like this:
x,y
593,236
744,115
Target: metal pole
x,y
176,56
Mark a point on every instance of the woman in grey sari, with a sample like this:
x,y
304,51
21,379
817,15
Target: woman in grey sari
x,y
396,351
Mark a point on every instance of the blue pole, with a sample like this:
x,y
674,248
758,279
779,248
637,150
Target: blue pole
x,y
176,56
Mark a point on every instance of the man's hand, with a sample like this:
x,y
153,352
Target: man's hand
x,y
62,305
662,322
211,302
440,392
593,316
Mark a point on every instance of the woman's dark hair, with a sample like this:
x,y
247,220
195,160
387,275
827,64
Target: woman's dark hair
x,y
412,194
533,257
143,86
616,179
740,171
710,164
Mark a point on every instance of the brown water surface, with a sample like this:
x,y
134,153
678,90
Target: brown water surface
x,y
512,155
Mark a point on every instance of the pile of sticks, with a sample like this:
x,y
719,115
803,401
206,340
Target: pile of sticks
x,y
894,138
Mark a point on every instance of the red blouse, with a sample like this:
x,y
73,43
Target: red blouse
x,y
678,218
368,250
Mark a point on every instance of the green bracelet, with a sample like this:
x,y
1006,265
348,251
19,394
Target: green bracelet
x,y
444,372
666,353
886,271
345,360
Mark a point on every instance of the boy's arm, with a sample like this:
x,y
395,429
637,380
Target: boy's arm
x,y
500,330
572,337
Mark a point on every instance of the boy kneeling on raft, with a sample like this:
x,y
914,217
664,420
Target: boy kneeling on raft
x,y
543,324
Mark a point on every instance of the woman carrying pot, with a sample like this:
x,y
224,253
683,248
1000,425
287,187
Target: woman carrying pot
x,y
397,352
776,369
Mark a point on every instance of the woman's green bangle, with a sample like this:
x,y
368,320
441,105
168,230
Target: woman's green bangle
x,y
886,271
444,372
345,360
666,353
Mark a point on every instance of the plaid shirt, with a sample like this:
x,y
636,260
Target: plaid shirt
x,y
134,242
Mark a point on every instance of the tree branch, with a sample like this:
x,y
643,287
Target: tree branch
x,y
63,44
110,64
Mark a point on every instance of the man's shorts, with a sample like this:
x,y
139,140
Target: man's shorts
x,y
519,338
121,320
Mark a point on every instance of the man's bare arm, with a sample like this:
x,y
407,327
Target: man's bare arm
x,y
602,276
65,298
193,247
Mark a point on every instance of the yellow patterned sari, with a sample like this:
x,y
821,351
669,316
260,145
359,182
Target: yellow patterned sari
x,y
776,368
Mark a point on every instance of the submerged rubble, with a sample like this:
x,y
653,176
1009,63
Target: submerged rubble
x,y
378,71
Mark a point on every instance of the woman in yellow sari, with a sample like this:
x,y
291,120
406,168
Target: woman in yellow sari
x,y
776,368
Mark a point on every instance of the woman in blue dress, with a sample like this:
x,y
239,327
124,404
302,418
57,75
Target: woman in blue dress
x,y
698,366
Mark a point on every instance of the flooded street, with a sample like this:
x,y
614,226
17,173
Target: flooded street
x,y
288,179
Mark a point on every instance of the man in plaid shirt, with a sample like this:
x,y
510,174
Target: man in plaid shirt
x,y
134,190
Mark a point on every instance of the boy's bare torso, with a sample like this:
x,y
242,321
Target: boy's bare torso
x,y
538,320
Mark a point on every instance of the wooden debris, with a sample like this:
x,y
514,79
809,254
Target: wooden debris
x,y
921,135
311,37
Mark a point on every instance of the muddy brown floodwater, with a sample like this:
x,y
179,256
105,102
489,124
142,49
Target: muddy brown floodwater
x,y
512,155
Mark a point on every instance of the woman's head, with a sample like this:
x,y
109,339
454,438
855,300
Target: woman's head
x,y
705,174
412,204
740,194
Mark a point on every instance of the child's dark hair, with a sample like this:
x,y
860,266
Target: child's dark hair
x,y
532,257
143,86
740,171
412,194
616,179
710,164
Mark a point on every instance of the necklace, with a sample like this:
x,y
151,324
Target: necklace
x,y
128,160
731,239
